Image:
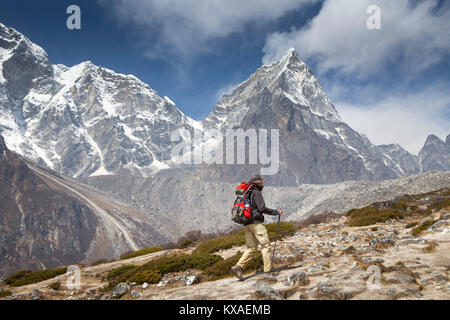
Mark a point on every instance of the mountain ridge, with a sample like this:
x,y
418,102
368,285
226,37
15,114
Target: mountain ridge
x,y
88,120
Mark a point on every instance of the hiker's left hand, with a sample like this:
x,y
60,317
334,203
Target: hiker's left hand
x,y
280,212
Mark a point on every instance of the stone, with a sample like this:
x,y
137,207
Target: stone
x,y
436,225
145,285
120,290
265,292
35,294
329,293
371,260
389,241
415,293
190,280
436,278
298,278
135,294
404,278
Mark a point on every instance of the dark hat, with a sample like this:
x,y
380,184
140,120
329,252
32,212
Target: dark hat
x,y
256,179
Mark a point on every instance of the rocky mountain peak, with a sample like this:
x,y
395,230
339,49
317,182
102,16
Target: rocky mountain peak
x,y
447,140
435,154
433,140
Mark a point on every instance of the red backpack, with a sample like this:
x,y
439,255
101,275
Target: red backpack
x,y
242,211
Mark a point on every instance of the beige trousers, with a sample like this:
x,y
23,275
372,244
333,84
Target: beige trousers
x,y
255,234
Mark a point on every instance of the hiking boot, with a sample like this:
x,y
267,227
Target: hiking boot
x,y
237,272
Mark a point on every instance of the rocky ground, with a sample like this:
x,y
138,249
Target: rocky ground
x,y
326,261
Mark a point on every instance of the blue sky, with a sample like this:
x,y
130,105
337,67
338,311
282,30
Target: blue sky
x,y
391,84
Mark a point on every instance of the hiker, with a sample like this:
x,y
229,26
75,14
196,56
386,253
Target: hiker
x,y
255,231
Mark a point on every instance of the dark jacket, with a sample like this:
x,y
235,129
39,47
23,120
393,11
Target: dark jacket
x,y
258,205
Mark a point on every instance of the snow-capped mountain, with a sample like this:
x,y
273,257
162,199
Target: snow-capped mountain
x,y
87,120
84,120
316,145
404,161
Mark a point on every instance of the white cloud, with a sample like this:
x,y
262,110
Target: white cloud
x,y
412,37
191,27
406,119
225,90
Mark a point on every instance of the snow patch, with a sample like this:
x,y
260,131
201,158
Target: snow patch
x,y
169,101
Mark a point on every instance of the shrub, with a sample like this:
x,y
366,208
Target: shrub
x,y
24,278
55,285
412,224
424,226
149,276
5,293
238,238
122,273
319,218
215,245
186,243
181,263
139,253
370,215
152,271
222,268
99,262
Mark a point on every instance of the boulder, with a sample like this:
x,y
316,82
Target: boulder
x,y
135,294
120,290
297,279
265,292
190,280
35,294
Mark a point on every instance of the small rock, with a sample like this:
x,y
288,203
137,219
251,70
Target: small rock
x,y
145,285
415,293
390,291
370,260
298,278
120,289
190,280
105,297
382,241
53,292
90,292
35,294
325,284
264,292
135,294
404,278
133,284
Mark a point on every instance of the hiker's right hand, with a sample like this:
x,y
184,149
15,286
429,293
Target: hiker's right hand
x,y
280,212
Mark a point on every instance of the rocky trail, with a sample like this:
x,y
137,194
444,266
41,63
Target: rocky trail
x,y
329,260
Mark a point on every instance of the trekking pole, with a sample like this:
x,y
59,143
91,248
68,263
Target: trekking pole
x,y
276,239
